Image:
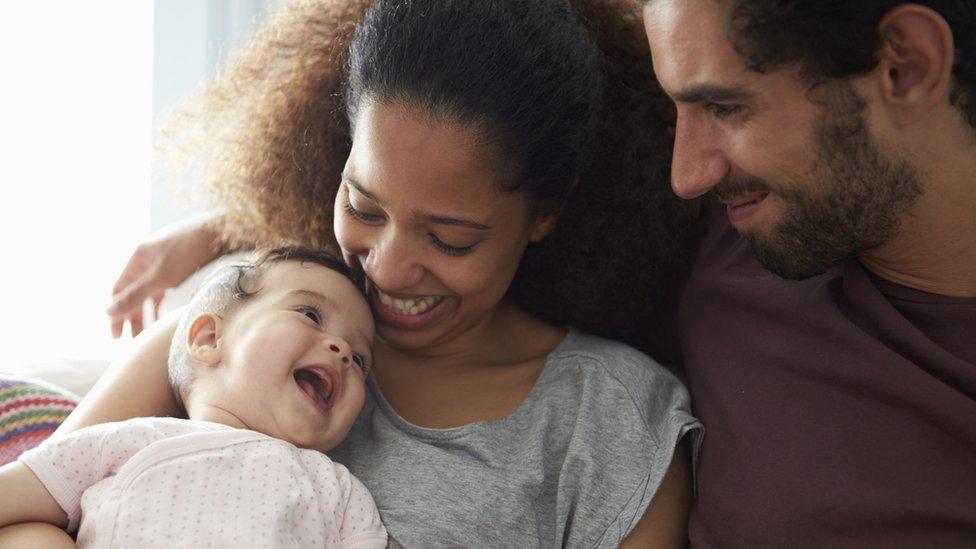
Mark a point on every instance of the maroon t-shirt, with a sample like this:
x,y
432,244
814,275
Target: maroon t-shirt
x,y
840,411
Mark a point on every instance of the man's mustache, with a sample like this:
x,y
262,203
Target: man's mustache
x,y
730,189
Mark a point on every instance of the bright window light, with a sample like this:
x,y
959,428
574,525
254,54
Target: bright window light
x,y
75,131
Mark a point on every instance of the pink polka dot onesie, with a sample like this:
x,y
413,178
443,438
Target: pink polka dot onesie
x,y
165,482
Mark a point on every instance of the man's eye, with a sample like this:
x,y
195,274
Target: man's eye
x,y
720,110
311,313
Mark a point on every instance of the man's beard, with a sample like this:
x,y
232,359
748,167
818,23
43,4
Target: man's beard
x,y
858,205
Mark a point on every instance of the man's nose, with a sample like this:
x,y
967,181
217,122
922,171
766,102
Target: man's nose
x,y
698,163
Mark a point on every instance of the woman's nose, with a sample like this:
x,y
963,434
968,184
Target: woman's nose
x,y
394,262
339,347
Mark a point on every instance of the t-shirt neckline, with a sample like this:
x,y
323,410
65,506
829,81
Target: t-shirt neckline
x,y
455,432
898,292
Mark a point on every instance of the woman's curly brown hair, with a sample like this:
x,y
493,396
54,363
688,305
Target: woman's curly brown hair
x,y
273,132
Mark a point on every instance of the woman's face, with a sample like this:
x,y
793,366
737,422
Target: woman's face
x,y
421,209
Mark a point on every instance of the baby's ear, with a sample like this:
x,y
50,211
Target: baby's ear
x,y
203,339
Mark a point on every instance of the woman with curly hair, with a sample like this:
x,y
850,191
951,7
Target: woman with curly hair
x,y
497,170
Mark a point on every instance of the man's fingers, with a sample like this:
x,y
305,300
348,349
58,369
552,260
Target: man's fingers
x,y
135,323
157,299
129,300
134,268
117,324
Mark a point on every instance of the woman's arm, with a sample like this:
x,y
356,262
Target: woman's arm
x,y
665,523
133,386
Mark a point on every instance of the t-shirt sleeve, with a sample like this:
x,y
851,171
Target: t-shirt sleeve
x,y
361,525
69,465
633,413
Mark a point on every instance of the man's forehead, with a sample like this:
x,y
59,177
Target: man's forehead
x,y
689,45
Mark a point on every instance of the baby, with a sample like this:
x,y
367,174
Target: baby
x,y
269,362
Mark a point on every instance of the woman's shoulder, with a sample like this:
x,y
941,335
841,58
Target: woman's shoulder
x,y
601,374
611,362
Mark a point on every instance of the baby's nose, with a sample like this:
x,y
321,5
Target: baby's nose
x,y
338,346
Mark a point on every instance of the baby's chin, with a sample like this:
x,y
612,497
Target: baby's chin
x,y
321,438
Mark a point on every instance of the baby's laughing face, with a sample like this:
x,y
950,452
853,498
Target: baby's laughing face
x,y
294,358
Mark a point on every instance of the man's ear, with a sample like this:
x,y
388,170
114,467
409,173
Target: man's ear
x,y
916,59
203,339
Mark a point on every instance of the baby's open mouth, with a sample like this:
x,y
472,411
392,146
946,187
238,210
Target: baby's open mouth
x,y
319,384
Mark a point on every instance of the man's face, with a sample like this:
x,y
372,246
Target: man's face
x,y
801,175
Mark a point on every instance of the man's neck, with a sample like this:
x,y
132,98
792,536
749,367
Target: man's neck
x,y
935,249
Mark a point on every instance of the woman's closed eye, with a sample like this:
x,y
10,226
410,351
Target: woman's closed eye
x,y
360,215
448,248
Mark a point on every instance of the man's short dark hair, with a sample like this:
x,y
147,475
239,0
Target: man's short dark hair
x,y
839,38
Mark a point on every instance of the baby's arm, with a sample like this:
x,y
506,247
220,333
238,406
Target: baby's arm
x,y
361,526
25,499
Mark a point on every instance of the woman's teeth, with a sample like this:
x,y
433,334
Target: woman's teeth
x,y
409,307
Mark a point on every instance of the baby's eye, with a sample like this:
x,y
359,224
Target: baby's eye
x,y
360,361
311,313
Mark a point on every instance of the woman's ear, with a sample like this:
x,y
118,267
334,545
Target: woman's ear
x,y
542,226
203,339
916,59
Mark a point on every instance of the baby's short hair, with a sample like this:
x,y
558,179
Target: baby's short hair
x,y
223,292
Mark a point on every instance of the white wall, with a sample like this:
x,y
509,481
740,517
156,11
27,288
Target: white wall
x,y
82,85
75,132
192,38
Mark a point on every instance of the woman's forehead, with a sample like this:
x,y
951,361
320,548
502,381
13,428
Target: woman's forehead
x,y
402,148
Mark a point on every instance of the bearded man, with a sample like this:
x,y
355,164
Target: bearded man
x,y
828,331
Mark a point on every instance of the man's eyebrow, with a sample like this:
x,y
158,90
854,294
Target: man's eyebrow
x,y
430,218
710,92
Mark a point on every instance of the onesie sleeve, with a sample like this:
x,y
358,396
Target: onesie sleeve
x,y
361,526
69,465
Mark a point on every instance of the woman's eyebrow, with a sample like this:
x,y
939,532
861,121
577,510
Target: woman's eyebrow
x,y
428,217
455,222
359,188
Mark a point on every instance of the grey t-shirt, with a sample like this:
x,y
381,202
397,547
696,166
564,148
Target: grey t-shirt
x,y
574,466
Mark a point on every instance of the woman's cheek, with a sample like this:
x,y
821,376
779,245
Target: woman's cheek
x,y
485,276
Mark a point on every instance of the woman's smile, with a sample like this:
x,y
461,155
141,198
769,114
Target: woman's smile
x,y
411,312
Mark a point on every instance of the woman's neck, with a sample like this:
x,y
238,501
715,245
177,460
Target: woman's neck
x,y
483,376
507,335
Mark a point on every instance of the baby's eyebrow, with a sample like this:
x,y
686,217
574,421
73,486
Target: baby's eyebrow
x,y
314,296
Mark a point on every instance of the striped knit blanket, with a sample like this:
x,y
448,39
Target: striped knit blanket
x,y
30,410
